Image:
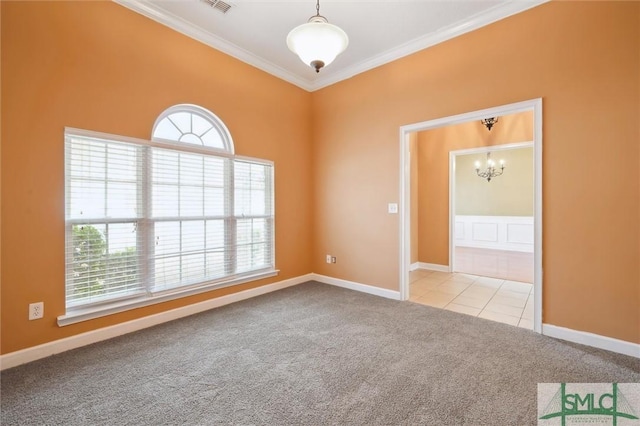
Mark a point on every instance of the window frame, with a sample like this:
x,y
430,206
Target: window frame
x,y
82,312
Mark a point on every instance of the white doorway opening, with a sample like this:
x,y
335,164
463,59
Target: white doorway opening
x,y
534,106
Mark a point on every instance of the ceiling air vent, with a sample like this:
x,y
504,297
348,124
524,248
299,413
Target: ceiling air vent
x,y
219,5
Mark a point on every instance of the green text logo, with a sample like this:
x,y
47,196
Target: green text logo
x,y
587,400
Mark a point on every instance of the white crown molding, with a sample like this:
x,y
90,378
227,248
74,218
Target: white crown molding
x,y
180,25
480,20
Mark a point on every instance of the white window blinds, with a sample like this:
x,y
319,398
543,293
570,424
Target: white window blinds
x,y
190,212
103,211
143,219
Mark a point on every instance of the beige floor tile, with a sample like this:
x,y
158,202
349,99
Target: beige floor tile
x,y
494,316
525,323
516,266
471,302
489,282
474,300
478,290
442,275
422,286
499,308
436,299
517,286
530,300
462,309
452,287
509,301
413,294
463,278
414,297
512,294
418,274
434,279
527,312
426,279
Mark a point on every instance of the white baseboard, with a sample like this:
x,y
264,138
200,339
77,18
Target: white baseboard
x,y
34,353
364,288
594,340
24,356
432,267
414,266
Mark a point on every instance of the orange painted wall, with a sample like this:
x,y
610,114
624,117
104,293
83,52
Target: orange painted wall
x,y
583,59
433,174
99,66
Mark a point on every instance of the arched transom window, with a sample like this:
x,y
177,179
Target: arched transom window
x,y
193,125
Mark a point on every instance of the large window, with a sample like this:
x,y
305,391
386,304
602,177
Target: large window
x,y
179,212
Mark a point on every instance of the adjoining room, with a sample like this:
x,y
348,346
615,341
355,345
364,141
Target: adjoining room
x,y
473,224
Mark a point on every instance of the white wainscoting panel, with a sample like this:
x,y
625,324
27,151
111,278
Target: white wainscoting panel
x,y
513,233
485,232
520,233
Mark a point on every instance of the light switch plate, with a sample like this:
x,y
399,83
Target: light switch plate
x,y
393,208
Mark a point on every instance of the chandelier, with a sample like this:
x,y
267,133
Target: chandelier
x,y
490,171
317,42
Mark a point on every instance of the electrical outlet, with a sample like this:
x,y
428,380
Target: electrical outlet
x,y
329,258
36,310
333,259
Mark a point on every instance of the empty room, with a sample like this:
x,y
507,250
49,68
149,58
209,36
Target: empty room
x,y
210,212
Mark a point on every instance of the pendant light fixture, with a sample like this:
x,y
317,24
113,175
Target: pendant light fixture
x,y
489,122
317,42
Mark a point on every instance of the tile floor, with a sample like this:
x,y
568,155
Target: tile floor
x,y
509,302
508,265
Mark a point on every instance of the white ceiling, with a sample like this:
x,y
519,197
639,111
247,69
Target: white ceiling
x,y
379,31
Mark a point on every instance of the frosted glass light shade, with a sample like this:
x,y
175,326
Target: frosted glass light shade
x,y
317,42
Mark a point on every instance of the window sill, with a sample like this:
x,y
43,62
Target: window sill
x,y
87,314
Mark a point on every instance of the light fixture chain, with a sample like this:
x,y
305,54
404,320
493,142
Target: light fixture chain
x,y
317,7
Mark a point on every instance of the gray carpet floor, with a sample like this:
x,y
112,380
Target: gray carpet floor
x,y
312,354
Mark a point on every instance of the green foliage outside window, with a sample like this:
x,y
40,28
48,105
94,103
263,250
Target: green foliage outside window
x,y
95,270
